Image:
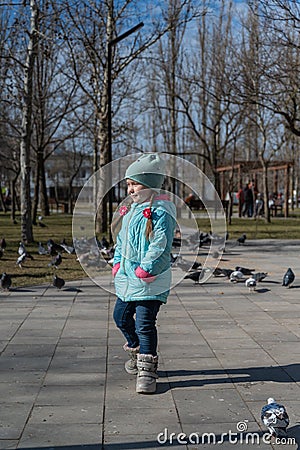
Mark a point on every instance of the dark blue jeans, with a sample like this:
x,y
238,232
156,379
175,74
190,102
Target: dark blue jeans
x,y
141,329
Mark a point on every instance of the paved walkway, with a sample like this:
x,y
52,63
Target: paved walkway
x,y
223,351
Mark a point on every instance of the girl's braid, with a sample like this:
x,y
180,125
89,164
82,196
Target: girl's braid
x,y
149,226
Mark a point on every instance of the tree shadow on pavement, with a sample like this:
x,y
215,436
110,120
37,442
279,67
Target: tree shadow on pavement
x,y
281,374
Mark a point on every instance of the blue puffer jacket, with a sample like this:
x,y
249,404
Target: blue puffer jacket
x,y
136,259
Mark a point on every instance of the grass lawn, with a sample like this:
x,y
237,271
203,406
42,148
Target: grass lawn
x,y
59,227
279,228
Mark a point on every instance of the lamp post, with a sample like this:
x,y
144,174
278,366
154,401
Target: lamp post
x,y
110,45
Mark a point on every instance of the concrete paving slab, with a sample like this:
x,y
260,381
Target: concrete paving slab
x,y
8,444
83,413
61,436
222,350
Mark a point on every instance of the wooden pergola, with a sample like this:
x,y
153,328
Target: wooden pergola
x,y
245,171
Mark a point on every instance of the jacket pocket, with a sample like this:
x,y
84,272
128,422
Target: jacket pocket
x,y
121,284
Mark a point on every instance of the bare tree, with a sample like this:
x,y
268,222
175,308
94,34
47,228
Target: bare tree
x,y
280,24
92,28
212,117
26,127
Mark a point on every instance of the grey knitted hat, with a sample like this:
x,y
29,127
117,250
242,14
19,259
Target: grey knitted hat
x,y
148,170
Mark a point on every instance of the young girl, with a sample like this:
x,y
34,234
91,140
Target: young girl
x,y
142,266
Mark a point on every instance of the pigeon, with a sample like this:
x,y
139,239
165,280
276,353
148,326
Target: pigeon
x,y
186,265
107,253
1,252
40,223
58,282
56,261
195,276
259,276
288,278
173,258
274,416
3,244
218,272
53,247
5,281
236,276
242,239
21,259
104,243
21,249
67,248
245,270
204,238
251,284
176,242
42,250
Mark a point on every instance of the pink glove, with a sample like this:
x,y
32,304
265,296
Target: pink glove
x,y
143,275
115,269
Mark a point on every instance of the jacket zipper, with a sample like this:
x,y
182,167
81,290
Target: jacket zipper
x,y
125,256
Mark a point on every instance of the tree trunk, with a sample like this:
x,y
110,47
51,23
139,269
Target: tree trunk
x,y
36,194
26,220
101,219
2,202
13,198
266,192
44,203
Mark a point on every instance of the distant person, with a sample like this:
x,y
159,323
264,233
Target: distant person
x,y
259,206
240,197
189,199
248,200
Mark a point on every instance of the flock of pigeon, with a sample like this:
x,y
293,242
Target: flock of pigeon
x,y
195,271
53,249
88,253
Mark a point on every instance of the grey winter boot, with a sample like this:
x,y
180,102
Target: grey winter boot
x,y
130,365
146,378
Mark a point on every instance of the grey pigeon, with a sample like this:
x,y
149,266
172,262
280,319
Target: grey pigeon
x,y
5,281
274,416
53,247
242,239
215,254
288,278
58,282
186,265
42,250
3,243
67,248
21,249
259,276
21,259
56,261
195,276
